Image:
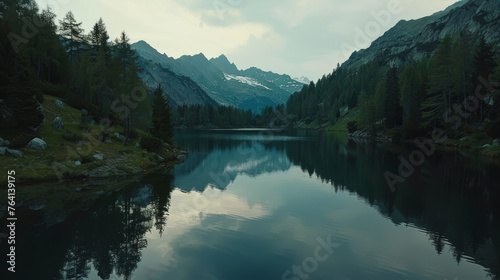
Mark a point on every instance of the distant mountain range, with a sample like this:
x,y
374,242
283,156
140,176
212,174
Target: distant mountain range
x,y
179,90
192,80
219,79
418,38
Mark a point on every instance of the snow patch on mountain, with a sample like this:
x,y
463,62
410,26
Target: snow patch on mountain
x,y
303,80
245,80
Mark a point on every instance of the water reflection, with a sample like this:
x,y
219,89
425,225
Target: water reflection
x,y
454,199
107,239
248,205
217,158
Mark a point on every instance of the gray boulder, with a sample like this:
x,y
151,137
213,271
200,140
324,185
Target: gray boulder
x,y
59,104
58,123
37,144
159,158
496,142
4,142
487,146
121,137
84,112
99,156
37,205
3,150
343,111
77,163
91,120
490,101
15,153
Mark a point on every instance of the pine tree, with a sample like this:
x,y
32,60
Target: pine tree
x,y
392,109
367,110
98,38
463,66
484,60
411,86
438,96
162,125
20,97
125,53
72,31
47,52
126,75
379,100
484,65
493,128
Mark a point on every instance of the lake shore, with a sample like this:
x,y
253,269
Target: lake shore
x,y
73,165
80,186
76,151
474,144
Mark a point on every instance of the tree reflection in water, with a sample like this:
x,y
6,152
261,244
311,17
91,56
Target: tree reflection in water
x,y
455,200
109,237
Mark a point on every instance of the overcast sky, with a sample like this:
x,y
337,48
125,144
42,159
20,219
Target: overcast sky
x,y
295,37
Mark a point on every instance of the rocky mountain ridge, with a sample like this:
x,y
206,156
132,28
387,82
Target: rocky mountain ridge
x,y
418,38
179,90
250,89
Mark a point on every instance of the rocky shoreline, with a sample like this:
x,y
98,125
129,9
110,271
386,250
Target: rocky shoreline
x,y
57,199
68,162
365,137
491,151
69,144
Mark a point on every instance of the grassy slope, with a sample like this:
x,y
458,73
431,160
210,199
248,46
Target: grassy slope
x,y
61,197
39,165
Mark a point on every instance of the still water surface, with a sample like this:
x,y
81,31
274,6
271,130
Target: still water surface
x,y
251,204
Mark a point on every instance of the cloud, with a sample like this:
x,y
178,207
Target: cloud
x,y
297,37
189,210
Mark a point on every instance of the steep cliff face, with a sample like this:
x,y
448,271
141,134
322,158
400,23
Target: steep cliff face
x,y
179,90
224,65
251,89
415,39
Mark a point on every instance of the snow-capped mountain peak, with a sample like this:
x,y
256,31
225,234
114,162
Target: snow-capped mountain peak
x,y
303,80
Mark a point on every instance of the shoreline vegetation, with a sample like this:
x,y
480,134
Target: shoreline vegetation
x,y
474,145
477,144
77,167
75,153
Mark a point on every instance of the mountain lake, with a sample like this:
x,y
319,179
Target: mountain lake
x,y
281,204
